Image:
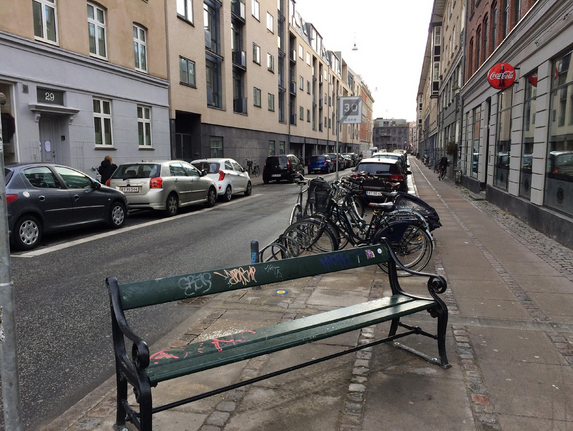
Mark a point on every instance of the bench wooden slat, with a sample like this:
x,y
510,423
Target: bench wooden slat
x,y
176,288
213,353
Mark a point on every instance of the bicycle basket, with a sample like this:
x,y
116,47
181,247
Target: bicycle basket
x,y
318,200
407,201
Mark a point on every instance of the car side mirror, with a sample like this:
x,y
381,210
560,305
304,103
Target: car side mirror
x,y
203,172
96,185
408,172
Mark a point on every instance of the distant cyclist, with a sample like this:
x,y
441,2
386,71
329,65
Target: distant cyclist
x,y
442,167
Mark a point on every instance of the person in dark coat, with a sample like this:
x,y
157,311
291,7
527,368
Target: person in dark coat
x,y
106,169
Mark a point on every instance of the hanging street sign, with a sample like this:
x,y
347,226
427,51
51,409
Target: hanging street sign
x,y
350,110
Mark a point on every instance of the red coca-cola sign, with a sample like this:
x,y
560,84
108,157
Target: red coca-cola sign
x,y
501,76
533,79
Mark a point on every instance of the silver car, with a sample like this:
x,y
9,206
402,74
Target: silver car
x,y
231,178
164,185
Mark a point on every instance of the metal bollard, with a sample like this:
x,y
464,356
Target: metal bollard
x,y
255,257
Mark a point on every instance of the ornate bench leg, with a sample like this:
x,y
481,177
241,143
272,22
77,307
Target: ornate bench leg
x,y
442,330
121,398
145,408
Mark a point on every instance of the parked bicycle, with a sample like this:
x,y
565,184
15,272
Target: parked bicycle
x,y
253,168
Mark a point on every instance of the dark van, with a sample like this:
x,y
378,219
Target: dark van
x,y
283,167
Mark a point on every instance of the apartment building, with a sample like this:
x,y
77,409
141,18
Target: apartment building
x,y
391,134
515,143
144,80
83,80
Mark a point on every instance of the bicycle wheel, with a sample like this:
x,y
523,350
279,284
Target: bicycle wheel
x,y
412,245
256,171
295,214
308,236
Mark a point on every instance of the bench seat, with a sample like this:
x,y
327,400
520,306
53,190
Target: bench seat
x,y
200,356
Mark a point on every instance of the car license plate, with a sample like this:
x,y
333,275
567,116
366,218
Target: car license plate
x,y
129,189
275,175
371,193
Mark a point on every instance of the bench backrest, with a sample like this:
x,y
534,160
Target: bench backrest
x,y
175,288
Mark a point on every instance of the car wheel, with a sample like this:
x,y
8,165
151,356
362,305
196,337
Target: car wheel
x,y
249,189
172,205
211,198
228,194
116,215
27,233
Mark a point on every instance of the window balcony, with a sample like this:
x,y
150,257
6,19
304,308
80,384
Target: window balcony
x,y
240,59
240,105
239,10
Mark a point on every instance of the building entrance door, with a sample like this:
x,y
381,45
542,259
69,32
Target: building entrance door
x,y
49,139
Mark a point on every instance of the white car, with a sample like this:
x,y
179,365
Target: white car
x,y
229,176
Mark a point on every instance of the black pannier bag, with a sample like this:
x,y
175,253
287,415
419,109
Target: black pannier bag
x,y
319,191
407,201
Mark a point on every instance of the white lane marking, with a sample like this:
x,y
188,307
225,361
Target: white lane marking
x,y
51,249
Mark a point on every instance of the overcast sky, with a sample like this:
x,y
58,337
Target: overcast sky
x,y
391,38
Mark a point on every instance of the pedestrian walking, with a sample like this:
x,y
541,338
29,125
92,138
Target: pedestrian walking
x,y
106,168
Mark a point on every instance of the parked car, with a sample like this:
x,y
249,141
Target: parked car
x,y
231,178
354,157
338,159
347,161
46,197
321,164
385,171
394,155
283,167
164,185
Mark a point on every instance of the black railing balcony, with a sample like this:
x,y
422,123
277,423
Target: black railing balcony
x,y
292,88
240,59
239,10
240,105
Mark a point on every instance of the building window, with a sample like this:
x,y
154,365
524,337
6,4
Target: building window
x,y
476,141
301,52
213,82
505,18
270,62
308,115
216,146
45,20
308,87
257,96
301,83
528,134
282,147
256,9
503,139
256,53
96,31
211,23
308,58
102,122
187,72
271,102
478,47
144,126
559,175
517,11
140,47
185,10
301,113
270,23
493,26
485,30
271,148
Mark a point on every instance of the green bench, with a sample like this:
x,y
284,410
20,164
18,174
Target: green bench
x,y
143,373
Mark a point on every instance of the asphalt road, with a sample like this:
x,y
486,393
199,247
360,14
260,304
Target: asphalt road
x,y
62,310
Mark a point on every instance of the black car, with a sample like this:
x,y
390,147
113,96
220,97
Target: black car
x,y
46,197
283,167
381,175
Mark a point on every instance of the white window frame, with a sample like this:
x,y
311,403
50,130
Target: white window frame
x,y
256,53
256,10
308,58
144,126
52,5
257,97
140,47
271,102
301,51
185,10
98,25
188,73
270,22
270,62
101,117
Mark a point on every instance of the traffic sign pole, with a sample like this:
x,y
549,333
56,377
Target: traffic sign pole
x,y
8,357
